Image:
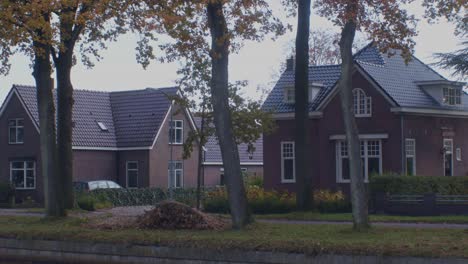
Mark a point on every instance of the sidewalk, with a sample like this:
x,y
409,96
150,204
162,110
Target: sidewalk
x,y
384,224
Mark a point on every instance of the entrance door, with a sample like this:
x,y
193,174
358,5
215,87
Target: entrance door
x,y
448,157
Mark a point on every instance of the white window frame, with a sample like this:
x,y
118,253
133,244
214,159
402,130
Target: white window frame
x,y
458,154
412,155
127,170
450,140
173,128
283,180
181,170
16,127
24,169
289,95
451,96
362,104
366,156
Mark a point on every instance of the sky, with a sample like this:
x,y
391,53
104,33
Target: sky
x,y
258,63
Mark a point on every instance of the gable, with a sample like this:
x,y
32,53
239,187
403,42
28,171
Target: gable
x,y
110,120
14,103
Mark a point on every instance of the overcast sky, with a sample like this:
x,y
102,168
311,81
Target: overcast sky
x,y
256,62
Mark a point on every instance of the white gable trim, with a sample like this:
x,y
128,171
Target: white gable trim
x,y
162,125
366,76
214,163
110,148
361,136
290,116
430,112
7,101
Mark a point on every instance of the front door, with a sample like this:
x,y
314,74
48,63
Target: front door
x,y
448,157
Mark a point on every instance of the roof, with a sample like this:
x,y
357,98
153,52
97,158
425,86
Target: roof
x,y
132,118
213,151
400,81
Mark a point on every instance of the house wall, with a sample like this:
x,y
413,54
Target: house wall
x,y
323,150
29,150
429,133
94,165
142,157
212,173
160,155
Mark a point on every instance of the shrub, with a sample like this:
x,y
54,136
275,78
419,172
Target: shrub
x,y
395,184
253,181
6,191
86,202
327,201
259,201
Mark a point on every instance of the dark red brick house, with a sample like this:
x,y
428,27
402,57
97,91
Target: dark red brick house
x,y
120,136
411,121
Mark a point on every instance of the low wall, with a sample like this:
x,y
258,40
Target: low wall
x,y
86,252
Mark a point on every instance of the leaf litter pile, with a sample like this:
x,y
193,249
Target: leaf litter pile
x,y
169,215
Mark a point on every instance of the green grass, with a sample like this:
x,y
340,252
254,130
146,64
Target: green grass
x,y
314,216
310,239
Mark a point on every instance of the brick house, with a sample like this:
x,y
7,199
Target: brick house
x,y
411,121
119,136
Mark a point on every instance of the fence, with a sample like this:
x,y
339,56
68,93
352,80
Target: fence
x,y
419,205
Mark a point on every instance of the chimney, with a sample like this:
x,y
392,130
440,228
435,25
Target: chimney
x,y
290,64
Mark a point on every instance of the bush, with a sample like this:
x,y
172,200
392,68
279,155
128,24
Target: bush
x,y
86,202
7,192
259,201
253,181
395,184
327,201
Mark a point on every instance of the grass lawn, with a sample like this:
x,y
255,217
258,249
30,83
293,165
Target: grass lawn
x,y
311,239
314,216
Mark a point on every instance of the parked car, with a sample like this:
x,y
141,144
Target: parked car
x,y
93,185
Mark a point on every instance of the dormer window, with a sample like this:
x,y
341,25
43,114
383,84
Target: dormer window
x,y
290,97
452,96
362,103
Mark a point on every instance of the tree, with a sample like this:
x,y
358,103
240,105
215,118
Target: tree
x,y
389,25
455,12
456,61
93,22
26,28
205,33
304,198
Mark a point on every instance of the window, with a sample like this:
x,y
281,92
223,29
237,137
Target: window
x,y
452,96
176,174
410,150
132,174
458,154
289,95
288,166
176,131
362,103
16,131
23,174
371,154
448,157
102,126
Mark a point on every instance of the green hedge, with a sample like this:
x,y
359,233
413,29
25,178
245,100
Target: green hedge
x,y
146,196
394,184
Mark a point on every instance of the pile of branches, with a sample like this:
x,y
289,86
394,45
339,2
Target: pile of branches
x,y
175,215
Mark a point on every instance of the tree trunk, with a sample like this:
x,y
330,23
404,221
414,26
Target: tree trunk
x,y
358,190
201,144
302,143
65,123
222,114
45,103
